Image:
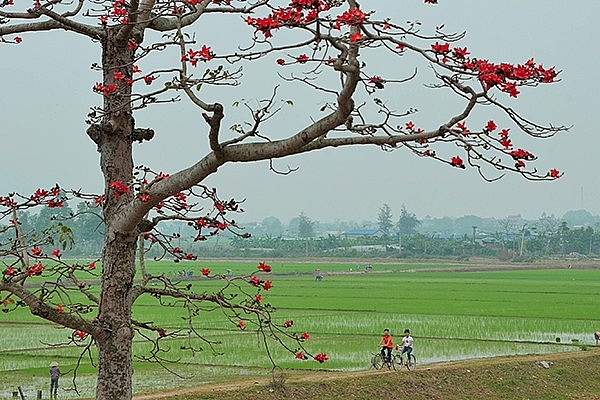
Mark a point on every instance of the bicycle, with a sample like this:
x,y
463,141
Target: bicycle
x,y
378,362
398,358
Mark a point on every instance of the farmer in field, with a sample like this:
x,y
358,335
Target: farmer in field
x,y
597,336
54,374
387,344
407,343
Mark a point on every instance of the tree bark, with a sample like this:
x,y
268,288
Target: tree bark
x,y
114,331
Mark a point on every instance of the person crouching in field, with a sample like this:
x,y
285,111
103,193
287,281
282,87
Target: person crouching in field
x,y
387,344
597,336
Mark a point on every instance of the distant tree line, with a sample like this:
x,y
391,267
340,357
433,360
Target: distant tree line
x,y
406,236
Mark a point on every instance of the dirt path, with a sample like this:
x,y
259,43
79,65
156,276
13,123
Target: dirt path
x,y
320,376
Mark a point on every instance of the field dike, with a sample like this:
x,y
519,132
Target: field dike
x,y
570,376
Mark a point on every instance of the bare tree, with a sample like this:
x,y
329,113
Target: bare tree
x,y
321,50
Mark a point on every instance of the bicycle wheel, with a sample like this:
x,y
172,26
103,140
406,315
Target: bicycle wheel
x,y
377,361
411,362
396,362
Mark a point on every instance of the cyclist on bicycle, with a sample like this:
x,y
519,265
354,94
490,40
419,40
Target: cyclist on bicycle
x,y
407,343
387,344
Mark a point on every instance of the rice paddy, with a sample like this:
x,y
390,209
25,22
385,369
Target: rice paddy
x,y
451,315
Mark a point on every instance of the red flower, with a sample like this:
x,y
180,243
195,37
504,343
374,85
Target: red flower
x,y
148,79
80,334
161,332
241,324
264,267
440,48
463,127
255,281
410,125
205,271
456,161
38,194
280,61
377,81
35,269
321,357
56,253
258,297
302,58
144,197
267,285
104,19
354,16
305,335
118,75
36,251
521,154
10,270
92,265
555,173
288,323
132,44
118,187
355,37
460,52
300,355
18,39
54,203
511,89
490,126
60,308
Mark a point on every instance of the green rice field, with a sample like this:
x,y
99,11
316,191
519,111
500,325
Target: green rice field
x,y
452,315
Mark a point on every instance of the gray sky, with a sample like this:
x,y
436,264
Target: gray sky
x,y
46,86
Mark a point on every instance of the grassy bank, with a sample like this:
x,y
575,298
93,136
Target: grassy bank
x,y
573,376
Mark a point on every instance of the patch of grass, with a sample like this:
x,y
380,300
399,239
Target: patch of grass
x,y
571,376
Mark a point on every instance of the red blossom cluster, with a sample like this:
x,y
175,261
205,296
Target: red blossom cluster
x,y
35,269
299,12
241,324
456,161
118,187
119,10
193,56
521,154
264,266
554,173
105,89
354,16
321,357
256,281
505,75
80,334
288,323
504,139
205,271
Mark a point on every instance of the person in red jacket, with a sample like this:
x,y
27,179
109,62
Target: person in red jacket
x,y
387,344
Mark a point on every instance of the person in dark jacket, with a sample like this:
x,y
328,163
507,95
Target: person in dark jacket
x,y
54,374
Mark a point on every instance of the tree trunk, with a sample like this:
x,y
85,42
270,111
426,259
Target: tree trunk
x,y
115,334
115,339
